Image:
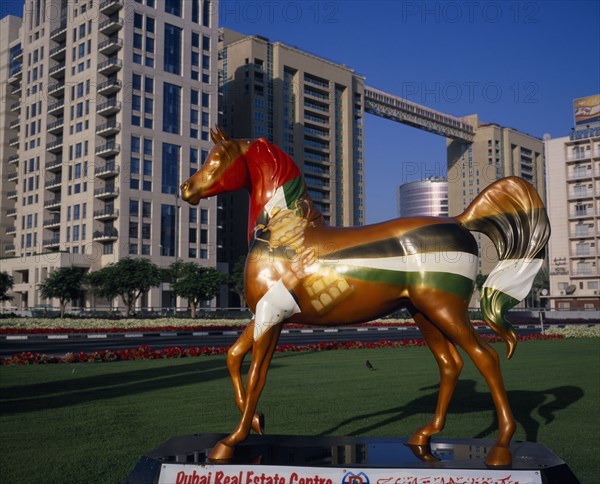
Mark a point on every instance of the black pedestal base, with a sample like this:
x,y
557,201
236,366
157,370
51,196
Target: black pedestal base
x,y
281,459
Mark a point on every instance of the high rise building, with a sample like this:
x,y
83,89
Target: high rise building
x,y
115,100
11,55
496,152
309,106
423,198
573,179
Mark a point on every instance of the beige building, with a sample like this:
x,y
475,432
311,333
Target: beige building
x,y
573,179
496,152
114,101
310,107
11,54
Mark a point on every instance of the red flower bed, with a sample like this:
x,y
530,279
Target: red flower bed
x,y
146,353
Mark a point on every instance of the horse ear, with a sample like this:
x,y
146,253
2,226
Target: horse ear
x,y
223,134
214,136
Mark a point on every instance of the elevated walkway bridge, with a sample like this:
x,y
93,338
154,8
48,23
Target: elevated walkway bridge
x,y
404,111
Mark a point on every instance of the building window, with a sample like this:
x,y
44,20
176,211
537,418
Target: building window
x,y
171,108
167,230
170,168
172,49
173,7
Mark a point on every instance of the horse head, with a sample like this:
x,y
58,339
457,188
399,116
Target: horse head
x,y
224,170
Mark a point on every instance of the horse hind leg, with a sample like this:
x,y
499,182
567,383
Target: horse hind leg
x,y
450,315
235,358
450,365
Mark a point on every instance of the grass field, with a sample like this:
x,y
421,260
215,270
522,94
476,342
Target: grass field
x,y
90,423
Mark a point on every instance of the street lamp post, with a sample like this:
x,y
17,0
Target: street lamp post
x,y
176,244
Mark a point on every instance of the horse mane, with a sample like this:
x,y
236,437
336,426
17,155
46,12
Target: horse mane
x,y
270,168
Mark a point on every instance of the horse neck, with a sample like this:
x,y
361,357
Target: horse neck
x,y
275,181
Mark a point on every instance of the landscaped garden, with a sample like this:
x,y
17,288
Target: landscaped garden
x,y
91,422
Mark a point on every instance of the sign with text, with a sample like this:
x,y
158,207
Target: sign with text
x,y
587,110
256,474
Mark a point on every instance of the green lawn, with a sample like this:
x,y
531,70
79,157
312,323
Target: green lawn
x,y
90,423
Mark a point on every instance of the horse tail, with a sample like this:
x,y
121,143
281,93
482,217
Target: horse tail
x,y
511,213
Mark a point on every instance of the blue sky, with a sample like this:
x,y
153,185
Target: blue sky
x,y
516,63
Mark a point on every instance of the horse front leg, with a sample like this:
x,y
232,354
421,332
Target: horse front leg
x,y
235,358
262,353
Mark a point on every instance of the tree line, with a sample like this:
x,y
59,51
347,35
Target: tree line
x,y
128,279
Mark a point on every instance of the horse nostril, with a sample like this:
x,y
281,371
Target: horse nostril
x,y
184,186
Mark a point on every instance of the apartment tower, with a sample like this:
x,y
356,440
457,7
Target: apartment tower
x,y
112,103
573,179
496,152
310,107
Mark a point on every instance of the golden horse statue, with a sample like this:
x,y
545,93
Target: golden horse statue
x,y
300,270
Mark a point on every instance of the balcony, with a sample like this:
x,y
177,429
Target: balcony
x,y
54,165
53,222
13,177
582,234
577,214
108,129
106,192
56,127
13,159
53,184
11,213
580,194
106,214
109,87
15,74
57,89
108,149
16,89
56,107
15,106
58,71
58,53
55,146
16,124
584,252
54,243
110,6
108,108
10,248
110,46
17,55
60,33
106,235
111,26
12,230
12,195
108,170
53,204
579,175
110,66
14,141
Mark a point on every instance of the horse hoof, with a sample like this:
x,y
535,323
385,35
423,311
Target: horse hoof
x,y
221,453
499,457
423,452
258,423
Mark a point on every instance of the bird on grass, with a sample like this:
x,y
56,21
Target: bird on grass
x,y
369,365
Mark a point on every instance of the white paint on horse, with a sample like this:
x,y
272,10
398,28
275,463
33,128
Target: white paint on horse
x,y
514,277
460,263
274,307
277,200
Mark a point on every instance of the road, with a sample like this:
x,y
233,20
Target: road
x,y
59,344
